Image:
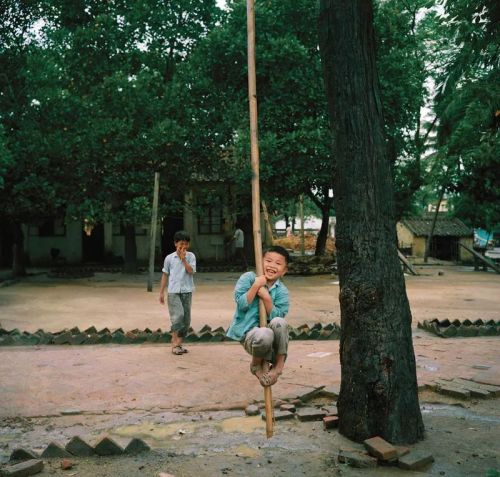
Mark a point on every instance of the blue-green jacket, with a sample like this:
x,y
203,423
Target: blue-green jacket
x,y
246,315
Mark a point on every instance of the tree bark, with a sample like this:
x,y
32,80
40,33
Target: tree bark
x,y
378,394
428,242
130,260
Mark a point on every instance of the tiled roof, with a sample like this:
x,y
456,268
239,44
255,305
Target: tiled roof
x,y
445,227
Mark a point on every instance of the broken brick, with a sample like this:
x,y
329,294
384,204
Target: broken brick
x,y
356,459
23,469
330,422
380,448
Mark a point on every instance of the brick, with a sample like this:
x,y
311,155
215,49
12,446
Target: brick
x,y
108,446
310,414
280,415
23,469
55,450
80,448
91,330
330,422
415,460
66,464
356,459
380,448
23,454
136,446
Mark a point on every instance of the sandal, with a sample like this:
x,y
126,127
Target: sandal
x,y
177,350
254,368
184,350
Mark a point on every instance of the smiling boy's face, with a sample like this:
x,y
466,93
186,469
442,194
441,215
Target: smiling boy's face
x,y
275,266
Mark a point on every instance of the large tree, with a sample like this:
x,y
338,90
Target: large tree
x,y
378,394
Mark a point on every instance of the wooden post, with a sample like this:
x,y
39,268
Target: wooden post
x,y
152,241
302,238
254,153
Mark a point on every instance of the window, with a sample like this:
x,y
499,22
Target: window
x,y
210,219
48,228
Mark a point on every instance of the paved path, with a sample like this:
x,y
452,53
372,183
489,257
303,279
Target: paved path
x,y
46,380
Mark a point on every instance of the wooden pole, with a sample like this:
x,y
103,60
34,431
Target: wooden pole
x,y
254,153
301,213
152,241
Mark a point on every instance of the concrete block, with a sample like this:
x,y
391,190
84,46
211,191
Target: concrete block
x,y
23,469
78,339
356,459
415,460
80,448
380,448
310,414
136,446
108,446
23,454
62,338
55,450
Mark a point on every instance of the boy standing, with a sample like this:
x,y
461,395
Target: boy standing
x,y
267,346
178,270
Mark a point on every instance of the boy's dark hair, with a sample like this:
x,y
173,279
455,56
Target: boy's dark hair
x,y
278,249
182,235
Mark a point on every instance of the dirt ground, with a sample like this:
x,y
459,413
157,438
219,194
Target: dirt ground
x,y
189,409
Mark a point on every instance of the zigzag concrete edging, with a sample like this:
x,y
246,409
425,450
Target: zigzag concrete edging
x,y
457,328
90,336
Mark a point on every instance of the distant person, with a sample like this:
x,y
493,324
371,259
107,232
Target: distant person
x,y
267,346
178,270
239,245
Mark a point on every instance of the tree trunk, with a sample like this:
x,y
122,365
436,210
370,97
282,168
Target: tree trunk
x,y
378,394
18,256
323,231
130,261
428,242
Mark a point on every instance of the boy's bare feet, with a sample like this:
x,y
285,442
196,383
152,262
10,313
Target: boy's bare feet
x,y
270,377
258,367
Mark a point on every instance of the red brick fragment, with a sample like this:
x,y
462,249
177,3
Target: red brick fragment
x,y
330,422
380,448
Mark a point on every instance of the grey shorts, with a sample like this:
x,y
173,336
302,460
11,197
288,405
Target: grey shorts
x,y
179,309
268,342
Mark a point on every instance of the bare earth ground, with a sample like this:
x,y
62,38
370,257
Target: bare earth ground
x,y
188,409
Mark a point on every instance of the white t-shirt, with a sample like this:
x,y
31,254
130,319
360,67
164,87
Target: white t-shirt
x,y
239,238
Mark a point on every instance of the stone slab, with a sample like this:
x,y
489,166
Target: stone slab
x,y
280,415
310,414
415,460
23,469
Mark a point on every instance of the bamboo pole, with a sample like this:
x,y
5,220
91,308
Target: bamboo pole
x,y
152,241
254,153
